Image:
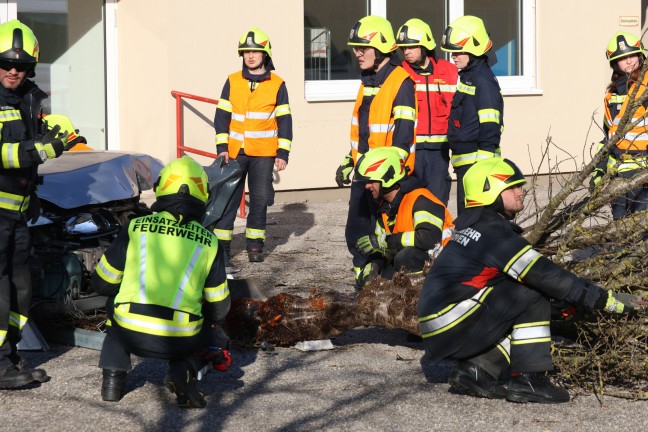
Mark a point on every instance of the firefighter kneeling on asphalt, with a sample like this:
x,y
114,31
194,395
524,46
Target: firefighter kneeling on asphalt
x,y
485,302
411,221
165,278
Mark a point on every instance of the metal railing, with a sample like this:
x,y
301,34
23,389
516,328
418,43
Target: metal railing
x,y
181,148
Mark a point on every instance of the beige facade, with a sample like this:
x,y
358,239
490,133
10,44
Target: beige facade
x,y
190,46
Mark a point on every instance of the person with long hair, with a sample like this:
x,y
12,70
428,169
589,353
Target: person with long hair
x,y
626,55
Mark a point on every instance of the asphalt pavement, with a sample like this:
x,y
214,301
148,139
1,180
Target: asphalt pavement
x,y
372,380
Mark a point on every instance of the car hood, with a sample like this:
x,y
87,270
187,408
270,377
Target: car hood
x,y
83,178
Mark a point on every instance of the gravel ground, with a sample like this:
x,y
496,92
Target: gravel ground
x,y
373,379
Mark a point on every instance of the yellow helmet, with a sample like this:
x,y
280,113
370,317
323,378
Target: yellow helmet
x,y
255,39
415,33
623,44
183,176
488,178
373,31
64,122
18,45
466,34
383,164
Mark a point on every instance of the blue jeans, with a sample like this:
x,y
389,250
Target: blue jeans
x,y
258,171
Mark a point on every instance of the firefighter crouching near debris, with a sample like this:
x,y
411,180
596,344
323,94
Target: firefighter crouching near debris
x,y
411,223
253,125
436,82
477,114
485,301
164,275
384,115
626,55
23,148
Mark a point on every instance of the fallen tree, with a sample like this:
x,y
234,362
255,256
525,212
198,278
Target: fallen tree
x,y
593,352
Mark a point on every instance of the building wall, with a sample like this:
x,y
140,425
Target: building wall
x,y
190,46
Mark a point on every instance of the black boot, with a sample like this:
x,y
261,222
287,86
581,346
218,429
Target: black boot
x,y
113,385
255,254
11,377
534,387
181,380
475,381
37,374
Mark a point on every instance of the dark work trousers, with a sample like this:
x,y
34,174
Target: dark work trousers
x,y
476,338
120,343
258,171
431,166
15,284
633,201
412,258
361,220
461,196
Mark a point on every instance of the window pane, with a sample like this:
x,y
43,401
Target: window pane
x,y
326,31
75,85
432,12
503,21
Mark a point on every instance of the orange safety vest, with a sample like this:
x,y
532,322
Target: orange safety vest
x,y
253,124
637,138
405,216
381,120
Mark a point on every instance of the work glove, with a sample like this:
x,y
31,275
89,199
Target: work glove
x,y
597,174
343,173
368,273
372,243
615,302
51,144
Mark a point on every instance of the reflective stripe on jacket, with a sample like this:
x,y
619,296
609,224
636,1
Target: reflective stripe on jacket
x,y
19,126
166,266
434,94
382,114
477,115
254,116
407,220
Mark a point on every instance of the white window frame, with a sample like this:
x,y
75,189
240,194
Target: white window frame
x,y
527,84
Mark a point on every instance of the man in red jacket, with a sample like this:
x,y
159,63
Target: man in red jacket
x,y
436,82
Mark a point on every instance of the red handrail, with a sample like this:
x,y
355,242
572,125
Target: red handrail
x,y
181,148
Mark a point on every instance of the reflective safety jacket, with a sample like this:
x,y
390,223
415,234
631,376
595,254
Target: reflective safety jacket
x,y
435,88
631,152
477,258
477,115
19,126
421,220
385,113
164,276
253,114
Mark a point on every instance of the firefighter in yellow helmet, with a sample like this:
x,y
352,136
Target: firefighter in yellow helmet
x,y
485,302
626,56
411,222
477,114
75,142
164,276
253,125
384,115
24,145
436,82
